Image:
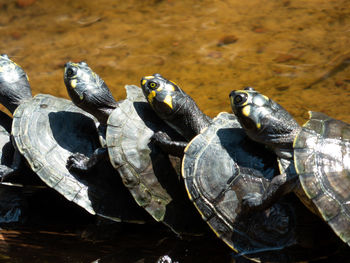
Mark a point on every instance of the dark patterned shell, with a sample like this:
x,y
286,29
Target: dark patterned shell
x,y
146,171
216,185
322,160
47,130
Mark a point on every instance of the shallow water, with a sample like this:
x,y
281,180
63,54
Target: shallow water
x,y
297,52
281,47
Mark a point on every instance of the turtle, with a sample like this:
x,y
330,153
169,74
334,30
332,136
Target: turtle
x,y
314,158
220,166
46,130
125,130
10,159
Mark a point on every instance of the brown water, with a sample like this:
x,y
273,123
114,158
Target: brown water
x,y
297,52
281,47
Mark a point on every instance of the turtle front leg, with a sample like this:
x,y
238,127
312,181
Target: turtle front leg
x,y
7,172
78,162
174,148
279,186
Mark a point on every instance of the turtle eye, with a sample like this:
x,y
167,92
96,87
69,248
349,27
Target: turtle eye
x,y
71,72
240,99
152,85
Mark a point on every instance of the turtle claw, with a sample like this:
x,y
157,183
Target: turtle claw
x,y
77,162
251,202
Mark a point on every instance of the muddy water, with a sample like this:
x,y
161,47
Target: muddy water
x,y
279,47
297,52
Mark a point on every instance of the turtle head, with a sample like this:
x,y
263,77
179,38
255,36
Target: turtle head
x,y
263,119
14,84
163,95
88,91
174,106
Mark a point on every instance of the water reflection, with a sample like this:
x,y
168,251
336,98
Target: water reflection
x,y
131,244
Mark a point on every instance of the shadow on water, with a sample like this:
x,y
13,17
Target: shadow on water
x,y
133,244
59,231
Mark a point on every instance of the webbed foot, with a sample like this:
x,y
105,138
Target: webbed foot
x,y
251,202
77,162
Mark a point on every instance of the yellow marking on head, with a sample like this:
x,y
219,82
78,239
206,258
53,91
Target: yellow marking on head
x,y
27,77
172,88
151,96
265,97
169,101
81,97
149,77
73,83
258,125
74,64
160,89
144,82
246,111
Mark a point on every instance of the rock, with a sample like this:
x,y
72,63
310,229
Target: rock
x,y
284,58
259,29
226,40
25,3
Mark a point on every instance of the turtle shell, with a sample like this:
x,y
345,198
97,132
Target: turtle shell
x,y
151,176
220,166
47,130
322,160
